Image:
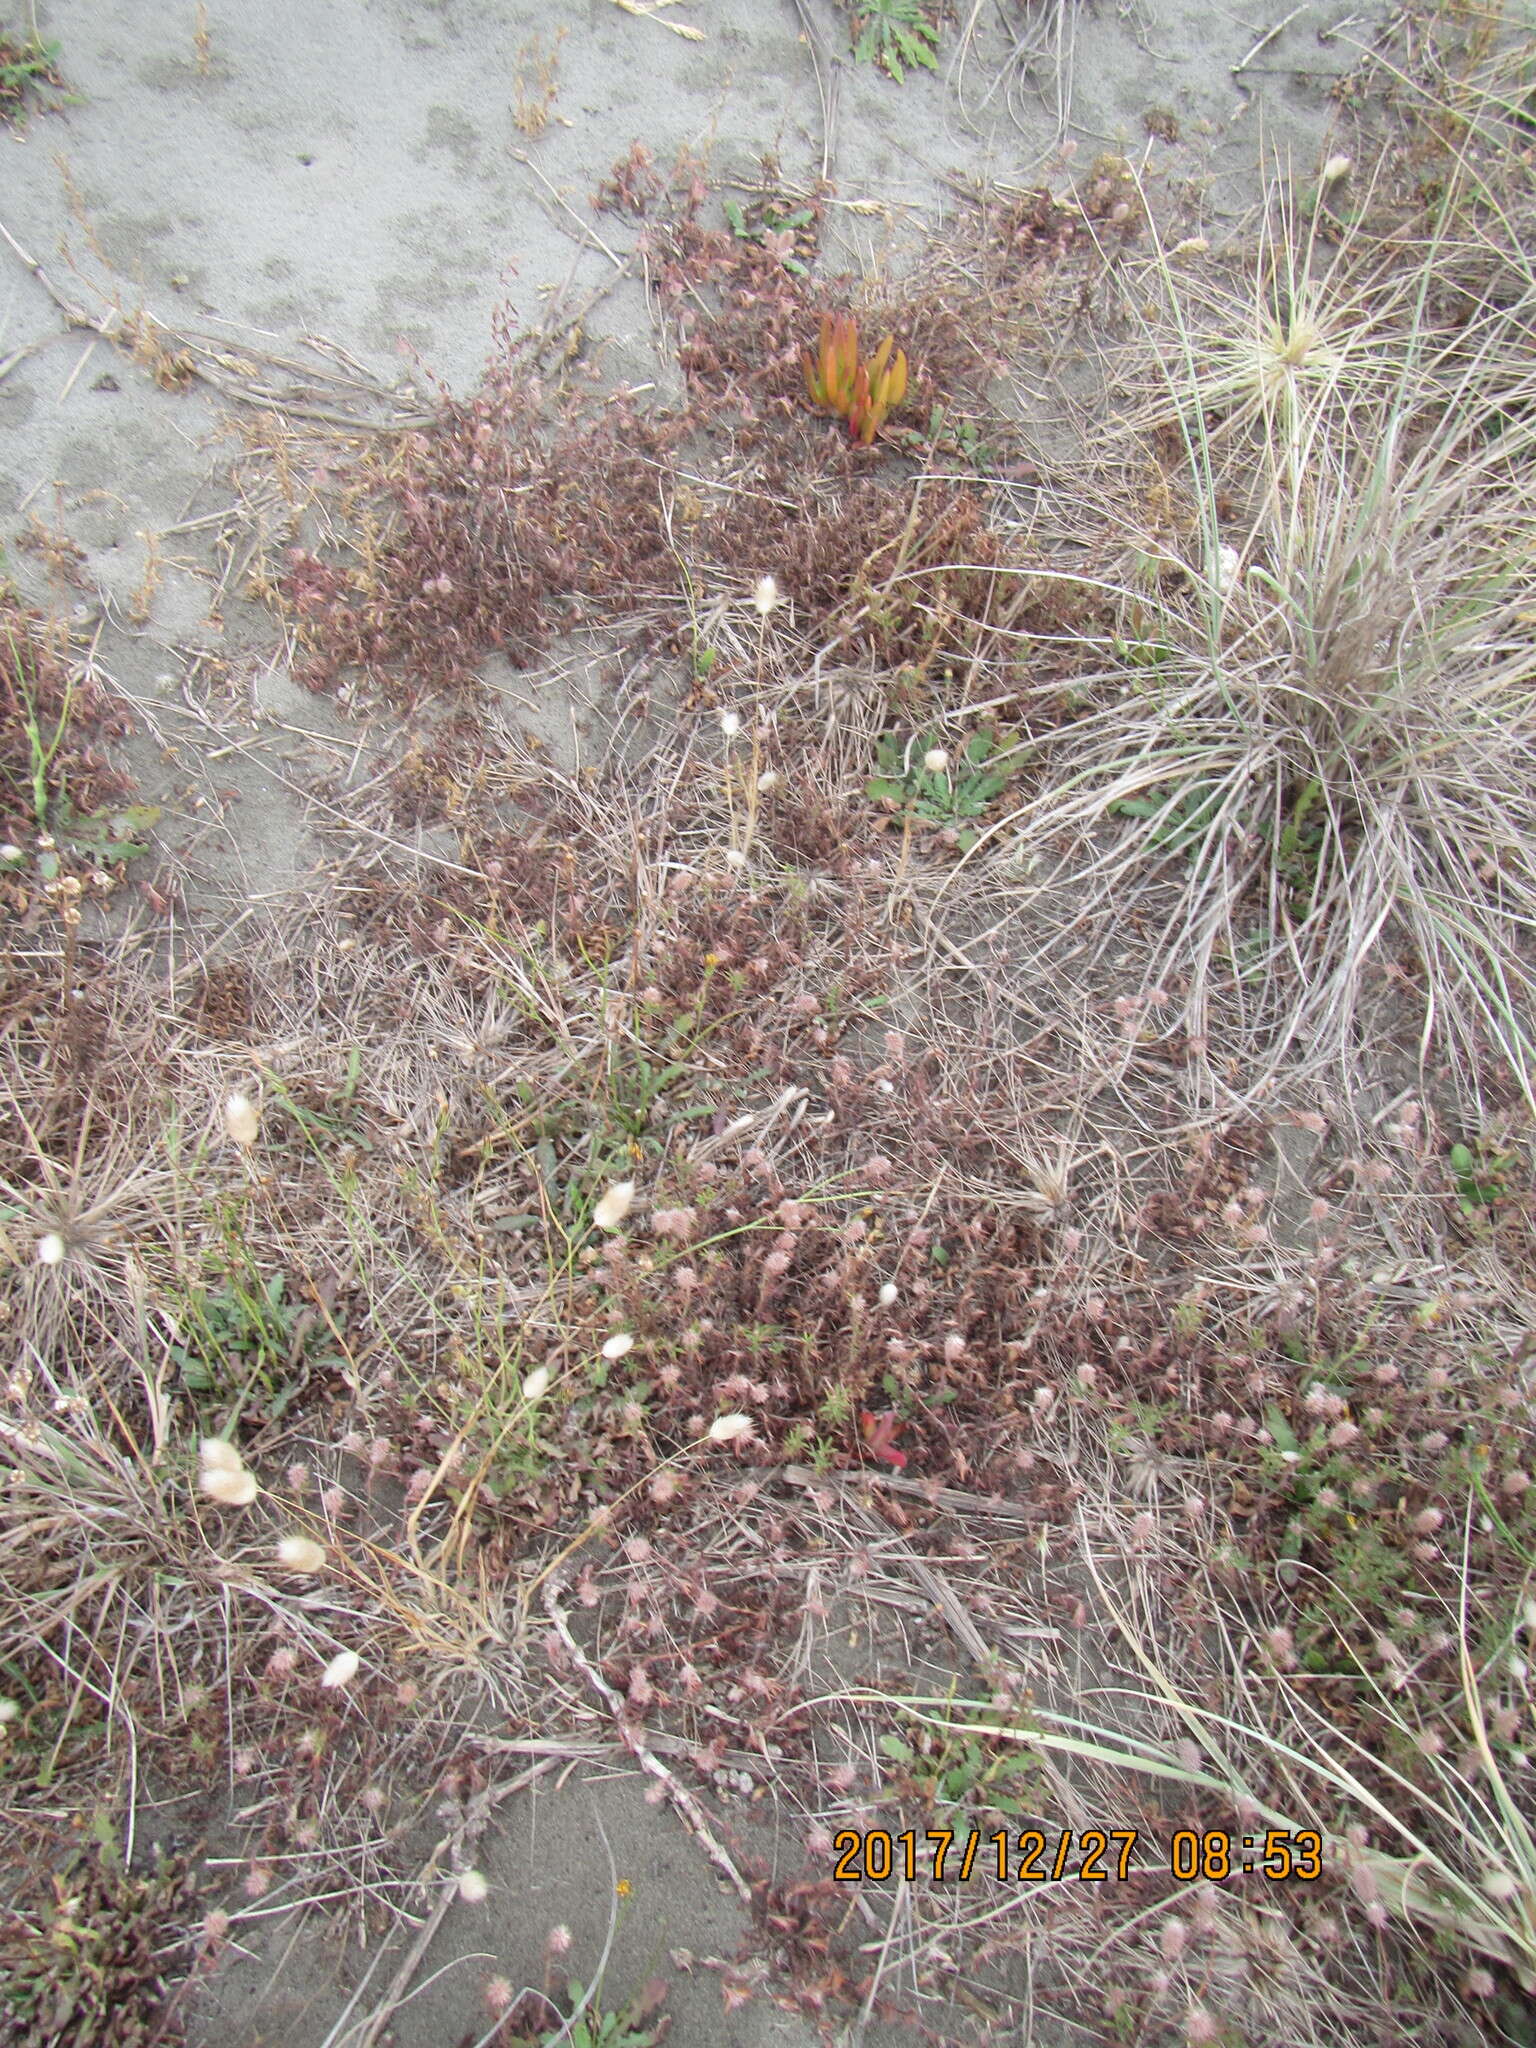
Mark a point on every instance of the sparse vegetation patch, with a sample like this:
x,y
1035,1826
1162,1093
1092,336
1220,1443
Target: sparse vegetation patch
x,y
920,1220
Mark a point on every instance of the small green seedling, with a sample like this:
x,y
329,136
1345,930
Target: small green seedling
x,y
248,1333
1299,846
1481,1175
23,67
336,1119
774,231
944,796
955,1767
959,436
104,838
627,2029
1145,653
41,746
895,34
1182,819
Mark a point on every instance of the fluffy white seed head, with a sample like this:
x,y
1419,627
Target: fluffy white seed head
x,y
766,596
730,724
51,1249
341,1670
615,1205
222,1474
936,760
229,1489
473,1888
536,1386
242,1120
619,1345
730,1429
301,1554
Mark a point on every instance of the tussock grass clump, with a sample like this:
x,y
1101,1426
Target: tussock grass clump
x,y
1319,706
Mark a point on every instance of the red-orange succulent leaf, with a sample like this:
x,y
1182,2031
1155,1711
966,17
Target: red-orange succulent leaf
x,y
861,393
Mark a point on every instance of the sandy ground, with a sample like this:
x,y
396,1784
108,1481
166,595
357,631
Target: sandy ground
x,y
353,175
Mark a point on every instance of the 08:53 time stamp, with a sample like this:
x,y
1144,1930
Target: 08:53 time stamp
x,y
1084,1856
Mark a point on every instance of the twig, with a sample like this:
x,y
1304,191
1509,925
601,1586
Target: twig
x,y
650,10
468,1832
18,355
200,359
948,1500
937,1588
828,79
587,232
1268,37
634,1742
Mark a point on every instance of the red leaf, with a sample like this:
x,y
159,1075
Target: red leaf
x,y
879,1433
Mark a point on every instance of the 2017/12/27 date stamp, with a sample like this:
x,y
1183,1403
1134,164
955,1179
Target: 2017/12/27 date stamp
x,y
1086,1856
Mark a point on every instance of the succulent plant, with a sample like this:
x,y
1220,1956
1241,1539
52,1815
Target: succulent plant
x,y
862,393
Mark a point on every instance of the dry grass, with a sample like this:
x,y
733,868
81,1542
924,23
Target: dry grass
x,y
1133,1411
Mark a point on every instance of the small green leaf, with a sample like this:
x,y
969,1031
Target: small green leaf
x,y
913,50
1285,1437
135,818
